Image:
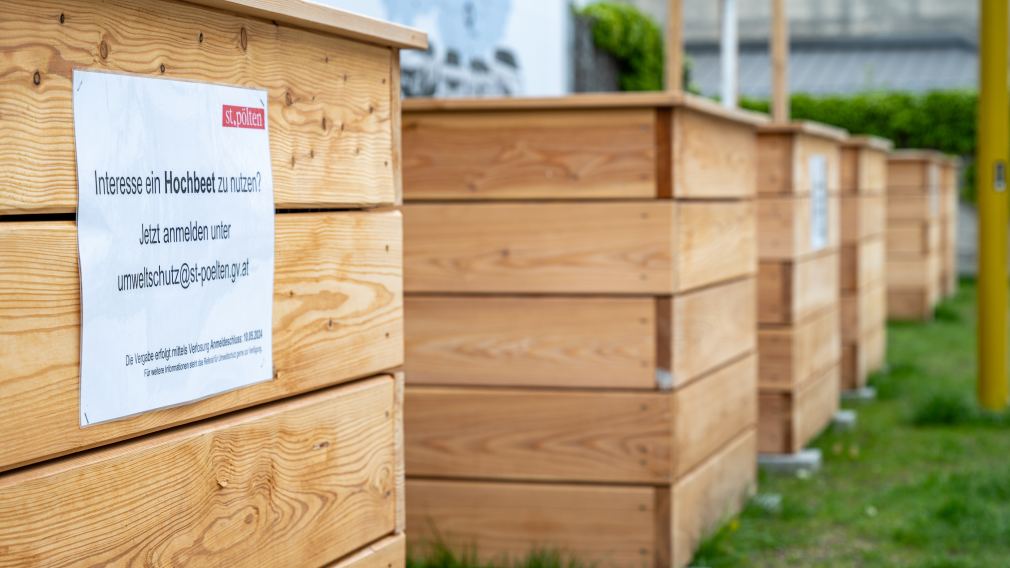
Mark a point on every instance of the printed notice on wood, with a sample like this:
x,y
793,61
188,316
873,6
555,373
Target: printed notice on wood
x,y
175,229
818,202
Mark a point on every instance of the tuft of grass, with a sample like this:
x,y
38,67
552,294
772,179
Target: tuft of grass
x,y
922,481
944,408
438,554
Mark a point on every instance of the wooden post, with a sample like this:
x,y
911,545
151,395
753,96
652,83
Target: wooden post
x,y
728,52
674,46
780,62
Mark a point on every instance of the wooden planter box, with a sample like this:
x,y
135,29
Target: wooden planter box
x,y
799,232
290,480
581,324
914,233
950,172
864,251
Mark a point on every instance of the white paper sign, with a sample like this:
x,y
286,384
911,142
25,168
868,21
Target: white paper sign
x,y
818,167
175,231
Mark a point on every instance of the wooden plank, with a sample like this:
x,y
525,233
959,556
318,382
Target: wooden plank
x,y
911,208
396,126
912,176
784,153
707,329
590,342
601,437
787,422
646,247
863,216
714,156
328,101
863,311
298,482
399,446
913,272
784,230
817,403
780,62
775,155
911,238
715,241
862,357
790,355
711,411
530,154
862,264
909,304
386,553
790,291
588,247
876,348
606,526
863,170
710,495
337,314
325,19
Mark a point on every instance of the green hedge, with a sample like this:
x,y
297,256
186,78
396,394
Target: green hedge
x,y
633,38
940,120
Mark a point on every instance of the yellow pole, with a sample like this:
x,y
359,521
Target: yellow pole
x,y
993,150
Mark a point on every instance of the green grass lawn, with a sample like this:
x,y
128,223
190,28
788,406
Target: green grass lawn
x,y
924,479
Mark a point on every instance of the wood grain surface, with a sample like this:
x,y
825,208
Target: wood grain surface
x,y
709,496
863,216
787,421
390,552
913,238
863,264
298,482
325,19
911,208
862,357
587,248
703,330
789,355
645,247
913,271
713,410
534,434
784,227
338,315
714,156
328,102
911,304
790,291
608,526
910,176
715,241
863,311
784,161
546,154
863,170
571,342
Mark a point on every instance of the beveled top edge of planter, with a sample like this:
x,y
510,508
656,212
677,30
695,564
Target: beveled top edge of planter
x,y
584,101
325,19
807,127
873,142
916,155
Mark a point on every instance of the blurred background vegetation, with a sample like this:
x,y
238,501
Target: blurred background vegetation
x,y
938,120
